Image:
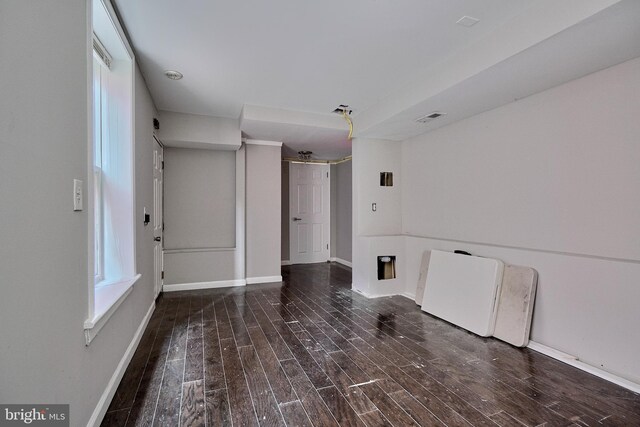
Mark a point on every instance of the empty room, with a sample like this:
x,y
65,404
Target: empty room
x,y
320,213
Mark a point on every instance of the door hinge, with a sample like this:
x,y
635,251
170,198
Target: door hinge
x,y
327,246
163,165
162,275
327,174
163,226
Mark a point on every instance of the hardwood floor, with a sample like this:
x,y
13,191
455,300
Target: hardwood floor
x,y
310,352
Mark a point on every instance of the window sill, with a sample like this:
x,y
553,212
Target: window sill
x,y
107,299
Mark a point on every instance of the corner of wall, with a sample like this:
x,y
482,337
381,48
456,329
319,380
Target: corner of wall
x,y
376,215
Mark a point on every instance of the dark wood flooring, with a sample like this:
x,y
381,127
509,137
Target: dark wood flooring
x,y
310,352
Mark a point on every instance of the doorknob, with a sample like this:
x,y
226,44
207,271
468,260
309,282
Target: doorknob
x,y
297,219
157,239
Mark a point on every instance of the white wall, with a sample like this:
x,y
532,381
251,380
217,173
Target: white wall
x,y
341,201
554,171
199,198
222,216
373,157
284,223
264,175
376,233
333,196
551,182
189,266
204,217
196,131
43,255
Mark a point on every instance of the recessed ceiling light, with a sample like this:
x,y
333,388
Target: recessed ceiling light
x,y
173,75
467,21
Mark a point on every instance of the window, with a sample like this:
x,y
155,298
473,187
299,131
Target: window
x,y
101,64
111,170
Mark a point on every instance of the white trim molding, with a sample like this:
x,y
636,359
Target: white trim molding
x,y
191,250
105,400
107,299
341,261
364,294
263,279
409,295
576,363
285,262
203,285
262,142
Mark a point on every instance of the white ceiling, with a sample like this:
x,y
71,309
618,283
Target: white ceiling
x,y
387,59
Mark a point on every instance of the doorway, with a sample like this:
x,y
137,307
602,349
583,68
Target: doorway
x,y
309,213
158,221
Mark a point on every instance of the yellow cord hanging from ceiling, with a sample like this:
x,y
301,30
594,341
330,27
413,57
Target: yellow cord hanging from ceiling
x,y
345,114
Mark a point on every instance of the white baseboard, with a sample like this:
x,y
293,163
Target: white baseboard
x,y
573,361
380,295
373,295
285,262
412,297
112,386
409,295
203,285
341,261
263,279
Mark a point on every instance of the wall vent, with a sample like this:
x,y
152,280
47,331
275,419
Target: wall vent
x,y
429,117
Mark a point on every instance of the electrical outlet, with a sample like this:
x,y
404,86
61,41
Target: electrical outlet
x,y
77,195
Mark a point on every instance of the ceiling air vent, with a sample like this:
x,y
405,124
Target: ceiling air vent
x,y
429,117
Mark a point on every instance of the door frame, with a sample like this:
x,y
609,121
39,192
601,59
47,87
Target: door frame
x,y
158,270
293,258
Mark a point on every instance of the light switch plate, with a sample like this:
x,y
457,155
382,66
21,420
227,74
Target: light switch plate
x,y
77,195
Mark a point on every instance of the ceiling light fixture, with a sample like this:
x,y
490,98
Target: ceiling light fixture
x,y
345,112
173,75
304,155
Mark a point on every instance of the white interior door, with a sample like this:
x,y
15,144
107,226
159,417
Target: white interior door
x,y
157,221
309,213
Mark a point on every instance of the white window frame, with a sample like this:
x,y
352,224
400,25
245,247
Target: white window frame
x,y
111,181
99,66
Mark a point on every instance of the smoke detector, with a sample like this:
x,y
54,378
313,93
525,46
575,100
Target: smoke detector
x,y
430,117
